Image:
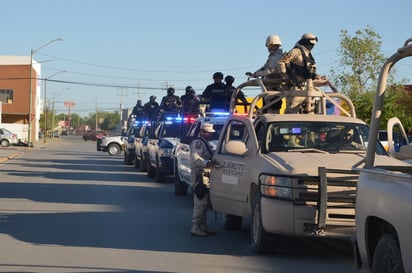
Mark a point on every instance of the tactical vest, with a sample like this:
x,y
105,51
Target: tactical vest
x,y
308,70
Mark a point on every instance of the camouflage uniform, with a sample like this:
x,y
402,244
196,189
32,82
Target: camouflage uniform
x,y
200,156
270,68
299,68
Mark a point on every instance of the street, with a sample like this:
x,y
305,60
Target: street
x,y
69,208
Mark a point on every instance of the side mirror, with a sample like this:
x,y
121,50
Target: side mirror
x,y
236,147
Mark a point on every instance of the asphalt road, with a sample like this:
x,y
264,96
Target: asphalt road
x,y
67,208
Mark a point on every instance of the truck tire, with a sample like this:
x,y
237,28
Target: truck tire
x,y
260,239
232,222
136,163
143,163
114,149
180,186
387,256
159,176
150,170
129,159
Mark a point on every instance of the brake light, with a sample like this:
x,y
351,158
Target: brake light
x,y
189,119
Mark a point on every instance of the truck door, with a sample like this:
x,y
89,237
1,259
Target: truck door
x,y
229,178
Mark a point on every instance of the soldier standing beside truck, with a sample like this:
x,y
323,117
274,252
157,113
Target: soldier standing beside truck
x,y
201,158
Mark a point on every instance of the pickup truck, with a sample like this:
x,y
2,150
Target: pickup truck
x,y
113,145
182,163
290,173
384,196
161,146
140,146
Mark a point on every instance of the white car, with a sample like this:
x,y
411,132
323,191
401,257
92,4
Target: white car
x,y
7,138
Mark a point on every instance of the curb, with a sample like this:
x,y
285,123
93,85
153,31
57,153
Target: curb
x,y
6,158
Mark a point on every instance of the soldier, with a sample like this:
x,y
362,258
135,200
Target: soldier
x,y
137,114
138,111
201,158
299,65
229,89
188,90
151,107
190,104
214,94
271,67
170,103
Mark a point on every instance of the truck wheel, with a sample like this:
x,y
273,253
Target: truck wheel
x,y
143,163
387,256
180,186
129,160
260,239
150,170
159,177
232,222
136,163
114,149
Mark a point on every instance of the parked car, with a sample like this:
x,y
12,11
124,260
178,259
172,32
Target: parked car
x,y
7,138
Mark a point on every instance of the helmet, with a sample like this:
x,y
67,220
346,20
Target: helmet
x,y
189,90
170,91
310,37
218,75
139,102
230,79
208,127
152,98
273,40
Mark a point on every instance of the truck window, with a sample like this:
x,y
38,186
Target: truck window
x,y
327,136
234,131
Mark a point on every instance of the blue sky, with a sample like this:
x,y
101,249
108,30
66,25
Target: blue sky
x,y
128,49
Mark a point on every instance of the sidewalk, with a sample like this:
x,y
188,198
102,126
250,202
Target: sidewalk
x,y
7,153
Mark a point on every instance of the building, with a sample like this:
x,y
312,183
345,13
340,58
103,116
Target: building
x,y
17,75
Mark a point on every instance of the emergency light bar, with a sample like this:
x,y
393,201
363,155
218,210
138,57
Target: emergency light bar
x,y
139,122
177,119
218,113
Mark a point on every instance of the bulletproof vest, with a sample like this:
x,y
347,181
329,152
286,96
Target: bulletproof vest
x,y
308,70
170,103
218,97
190,105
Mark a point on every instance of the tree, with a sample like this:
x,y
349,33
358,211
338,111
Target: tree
x,y
358,71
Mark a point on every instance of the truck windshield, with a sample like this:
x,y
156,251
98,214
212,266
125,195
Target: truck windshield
x,y
331,137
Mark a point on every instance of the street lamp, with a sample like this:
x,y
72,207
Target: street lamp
x,y
55,94
32,52
45,103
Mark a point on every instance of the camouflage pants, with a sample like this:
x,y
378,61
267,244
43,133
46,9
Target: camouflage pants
x,y
200,206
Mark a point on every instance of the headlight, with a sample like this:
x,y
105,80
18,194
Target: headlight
x,y
276,186
165,152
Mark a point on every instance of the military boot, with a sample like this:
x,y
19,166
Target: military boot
x,y
196,231
208,230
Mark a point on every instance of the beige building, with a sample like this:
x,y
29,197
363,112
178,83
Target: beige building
x,y
17,73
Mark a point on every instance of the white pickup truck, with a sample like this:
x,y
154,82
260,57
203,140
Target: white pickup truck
x,y
384,196
291,173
